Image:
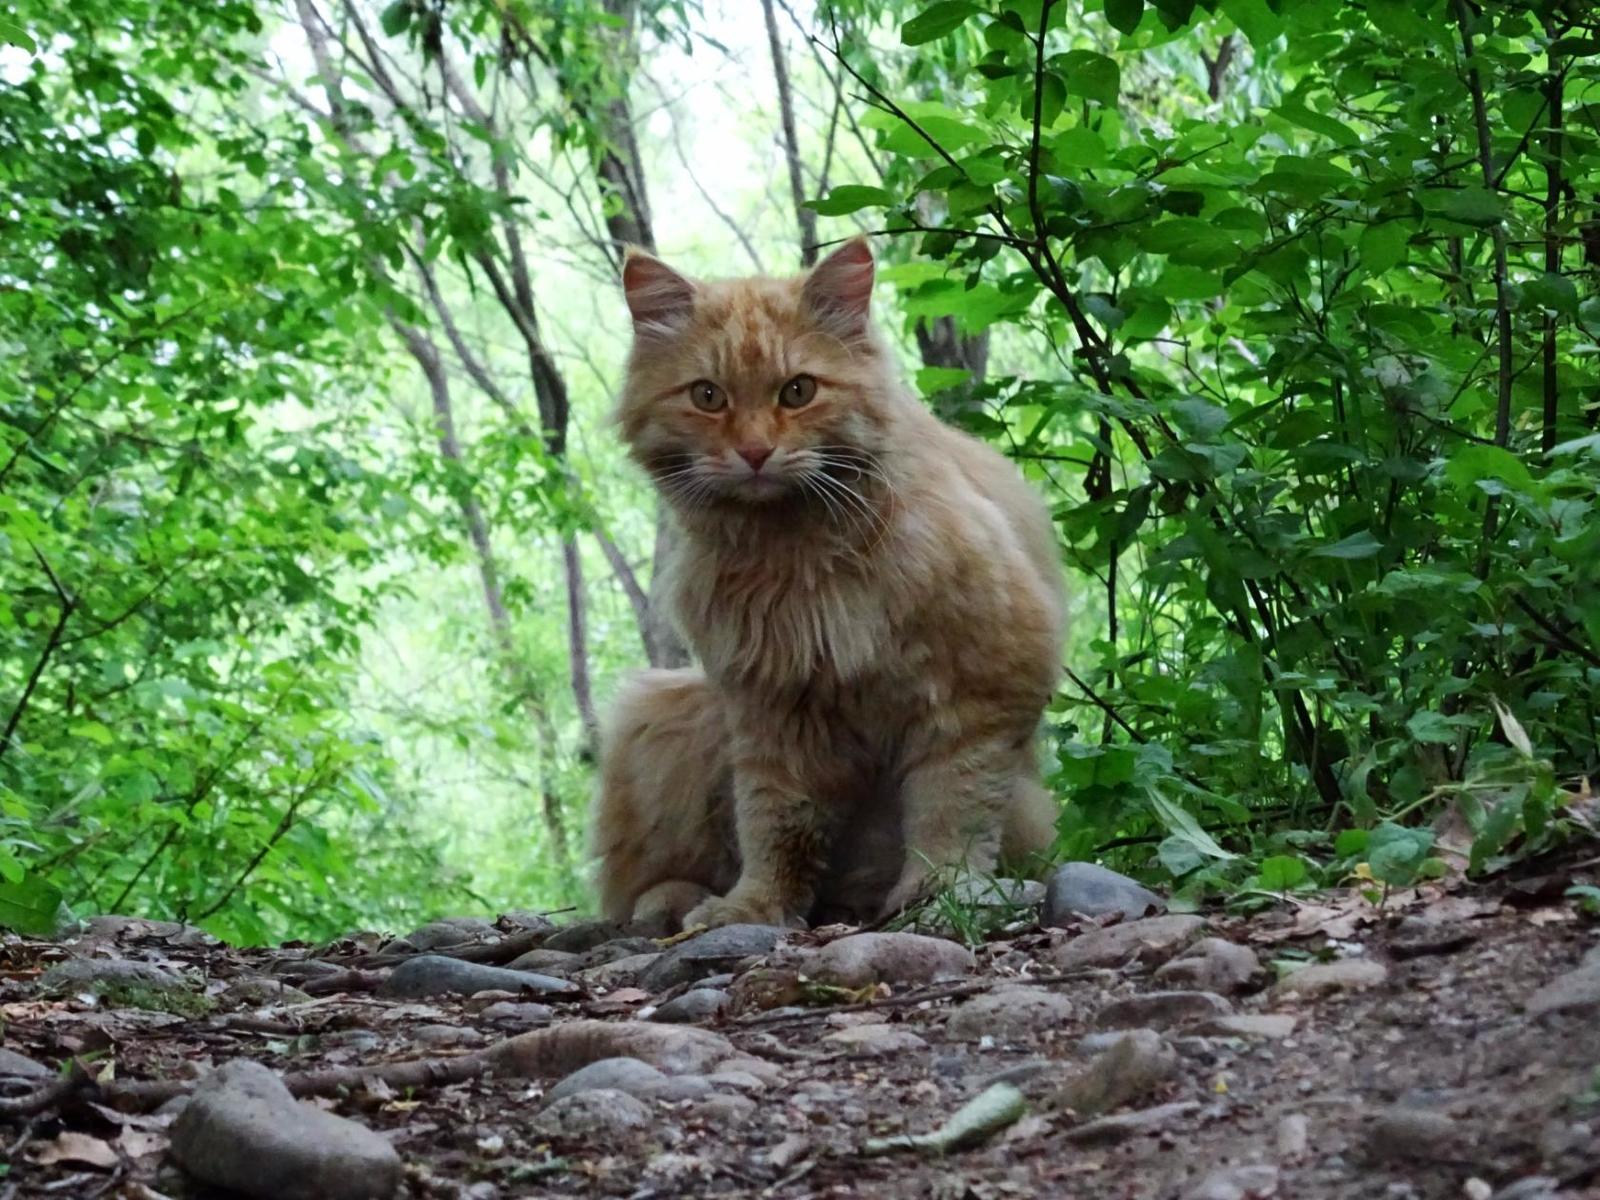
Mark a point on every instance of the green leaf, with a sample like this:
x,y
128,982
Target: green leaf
x,y
30,906
1281,872
1473,206
1357,545
1090,75
1297,113
932,380
1124,15
15,35
1396,853
1383,245
1185,828
1552,291
396,18
1474,462
935,21
849,198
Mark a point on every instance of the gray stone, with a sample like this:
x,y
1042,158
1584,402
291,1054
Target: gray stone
x,y
1212,965
694,1006
1136,1063
519,1014
1293,1136
111,928
1152,940
584,935
616,948
103,974
545,961
630,1075
1162,1010
1417,936
1256,1182
711,953
1251,1025
1090,890
568,1045
1010,1011
433,975
601,1113
737,1081
862,959
527,922
1108,1131
618,973
242,1130
257,991
448,931
18,1066
1011,894
724,1109
441,1036
875,1041
1322,979
1575,992
1404,1134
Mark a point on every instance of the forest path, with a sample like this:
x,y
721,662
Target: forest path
x,y
1445,1046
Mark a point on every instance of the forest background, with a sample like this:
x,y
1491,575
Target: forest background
x,y
317,554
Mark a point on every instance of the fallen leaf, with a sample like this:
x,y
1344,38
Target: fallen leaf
x,y
138,1143
974,1123
78,1148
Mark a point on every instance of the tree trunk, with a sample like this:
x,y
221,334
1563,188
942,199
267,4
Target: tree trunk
x,y
791,143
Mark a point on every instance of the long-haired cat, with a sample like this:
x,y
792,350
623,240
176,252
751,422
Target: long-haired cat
x,y
875,600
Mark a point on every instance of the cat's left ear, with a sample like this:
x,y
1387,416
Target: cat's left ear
x,y
658,297
839,289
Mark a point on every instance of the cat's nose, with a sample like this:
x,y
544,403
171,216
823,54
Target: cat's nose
x,y
755,455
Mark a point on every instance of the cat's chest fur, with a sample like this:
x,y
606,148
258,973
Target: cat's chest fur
x,y
779,616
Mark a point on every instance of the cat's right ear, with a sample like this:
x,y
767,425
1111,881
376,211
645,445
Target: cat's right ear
x,y
659,298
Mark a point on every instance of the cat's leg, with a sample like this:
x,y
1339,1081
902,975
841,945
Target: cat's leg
x,y
783,834
956,808
1028,827
662,827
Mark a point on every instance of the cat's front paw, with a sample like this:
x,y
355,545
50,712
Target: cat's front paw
x,y
738,908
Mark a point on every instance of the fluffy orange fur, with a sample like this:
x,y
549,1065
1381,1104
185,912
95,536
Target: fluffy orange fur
x,y
875,599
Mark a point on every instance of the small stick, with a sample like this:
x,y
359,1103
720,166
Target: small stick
x,y
951,992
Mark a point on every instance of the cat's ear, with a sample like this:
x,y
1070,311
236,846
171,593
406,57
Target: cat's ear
x,y
658,297
838,291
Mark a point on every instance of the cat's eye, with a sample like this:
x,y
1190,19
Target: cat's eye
x,y
707,396
798,392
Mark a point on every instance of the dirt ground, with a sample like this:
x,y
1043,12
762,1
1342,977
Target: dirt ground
x,y
1462,1059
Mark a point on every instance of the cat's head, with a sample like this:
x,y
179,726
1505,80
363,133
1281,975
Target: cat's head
x,y
750,391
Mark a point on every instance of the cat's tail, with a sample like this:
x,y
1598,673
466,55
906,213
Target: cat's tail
x,y
663,822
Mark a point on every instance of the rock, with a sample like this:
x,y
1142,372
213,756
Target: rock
x,y
108,975
979,892
526,922
711,953
602,1113
619,973
724,1109
1136,1063
259,991
242,1130
622,947
112,928
875,1041
433,975
630,1075
769,1073
736,1081
1010,1011
862,959
1162,1010
449,931
1212,965
1108,1131
441,1036
1575,992
1251,1025
1417,936
1405,1134
584,935
694,1006
1088,889
1152,940
1256,1182
1293,1136
544,961
1322,979
18,1066
521,1015
564,1047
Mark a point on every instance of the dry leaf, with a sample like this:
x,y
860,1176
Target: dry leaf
x,y
137,1143
78,1148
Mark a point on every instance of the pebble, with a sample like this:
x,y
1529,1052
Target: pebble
x,y
711,953
88,974
1152,940
692,1007
1405,1134
1137,1062
448,931
979,892
1417,936
1256,1182
1009,1012
113,928
1293,1136
619,973
546,961
875,1041
862,959
1213,965
584,935
242,1130
1162,1010
630,1075
520,1014
1576,991
600,1113
564,1047
1110,1130
724,1109
439,1036
1476,1189
738,1081
19,1066
258,991
1271,1026
1088,889
1322,979
622,947
433,975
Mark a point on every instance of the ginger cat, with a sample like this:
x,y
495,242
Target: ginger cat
x,y
876,601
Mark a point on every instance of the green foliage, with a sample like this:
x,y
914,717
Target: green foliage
x,y
1316,390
